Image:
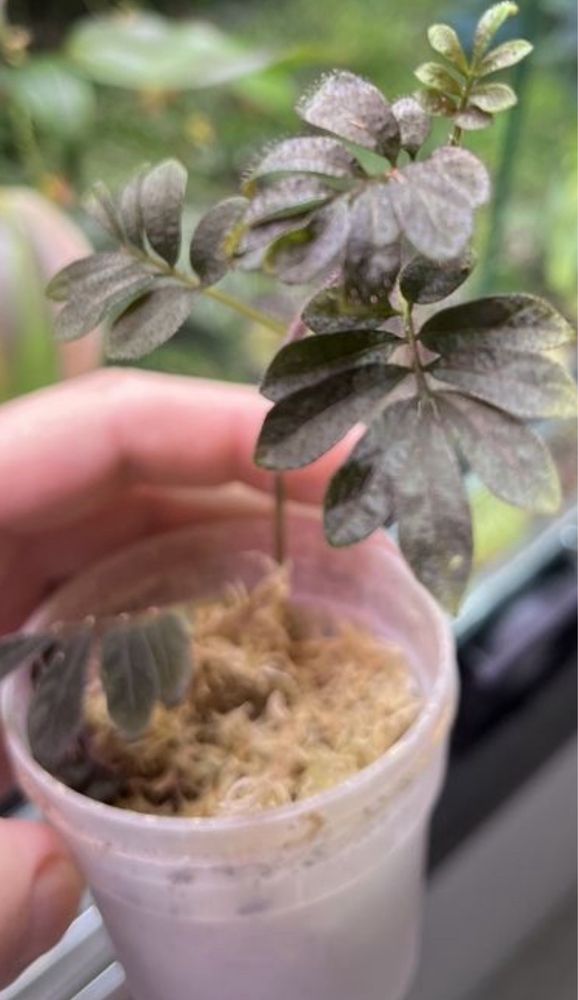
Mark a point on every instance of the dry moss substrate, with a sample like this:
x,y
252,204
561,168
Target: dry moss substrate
x,y
283,704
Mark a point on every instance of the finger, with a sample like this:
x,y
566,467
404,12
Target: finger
x,y
41,562
65,451
40,894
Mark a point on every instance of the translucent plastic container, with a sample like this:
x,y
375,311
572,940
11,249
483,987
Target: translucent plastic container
x,y
319,900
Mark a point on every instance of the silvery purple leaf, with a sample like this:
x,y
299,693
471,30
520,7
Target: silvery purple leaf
x,y
509,458
215,239
303,426
353,109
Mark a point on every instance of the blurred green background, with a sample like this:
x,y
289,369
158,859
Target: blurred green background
x,y
92,89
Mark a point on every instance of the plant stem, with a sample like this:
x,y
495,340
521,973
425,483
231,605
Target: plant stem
x,y
457,132
279,522
244,309
224,298
422,386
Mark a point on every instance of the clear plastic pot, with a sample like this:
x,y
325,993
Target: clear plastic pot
x,y
319,900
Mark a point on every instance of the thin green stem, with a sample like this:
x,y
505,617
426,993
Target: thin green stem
x,y
244,309
457,132
224,298
421,381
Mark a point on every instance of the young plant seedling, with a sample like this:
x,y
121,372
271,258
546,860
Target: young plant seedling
x,y
438,390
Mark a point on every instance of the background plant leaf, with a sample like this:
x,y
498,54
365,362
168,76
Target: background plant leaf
x,y
308,423
58,101
434,520
509,458
145,51
307,362
423,281
129,678
215,239
150,321
162,198
55,713
351,108
361,495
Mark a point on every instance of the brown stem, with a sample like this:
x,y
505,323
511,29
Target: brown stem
x,y
279,521
457,132
422,386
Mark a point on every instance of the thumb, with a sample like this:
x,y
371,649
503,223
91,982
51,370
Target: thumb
x,y
39,896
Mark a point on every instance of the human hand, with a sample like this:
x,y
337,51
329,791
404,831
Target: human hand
x,y
86,468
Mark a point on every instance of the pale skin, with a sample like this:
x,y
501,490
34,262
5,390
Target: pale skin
x,y
86,468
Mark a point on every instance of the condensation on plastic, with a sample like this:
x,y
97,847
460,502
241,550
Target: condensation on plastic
x,y
318,900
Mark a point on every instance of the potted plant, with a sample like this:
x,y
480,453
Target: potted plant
x,y
244,757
